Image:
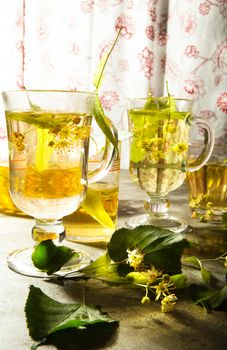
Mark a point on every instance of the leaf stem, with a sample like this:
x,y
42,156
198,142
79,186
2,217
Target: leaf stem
x,y
107,58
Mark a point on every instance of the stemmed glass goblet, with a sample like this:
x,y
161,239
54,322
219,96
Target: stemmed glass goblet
x,y
48,137
159,154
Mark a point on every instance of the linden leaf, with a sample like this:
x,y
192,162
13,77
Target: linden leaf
x,y
50,258
67,326
102,122
206,275
43,151
208,298
99,75
104,269
224,220
161,248
137,154
94,207
179,281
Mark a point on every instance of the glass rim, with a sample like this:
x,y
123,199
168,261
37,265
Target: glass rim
x,y
50,91
161,98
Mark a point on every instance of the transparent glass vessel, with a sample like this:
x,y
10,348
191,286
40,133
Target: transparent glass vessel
x,y
208,186
159,154
48,137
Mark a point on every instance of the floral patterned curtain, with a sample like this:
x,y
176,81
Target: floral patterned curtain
x,y
55,44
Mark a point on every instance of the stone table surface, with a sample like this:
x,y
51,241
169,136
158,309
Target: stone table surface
x,y
141,326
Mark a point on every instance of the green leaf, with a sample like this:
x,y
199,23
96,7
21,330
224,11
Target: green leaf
x,y
137,277
137,154
179,280
50,258
94,206
106,270
208,298
99,114
161,248
206,275
99,75
103,123
224,220
43,151
41,119
67,326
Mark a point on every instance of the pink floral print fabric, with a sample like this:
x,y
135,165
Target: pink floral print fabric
x,y
50,44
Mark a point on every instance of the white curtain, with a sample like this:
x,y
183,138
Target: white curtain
x,y
56,44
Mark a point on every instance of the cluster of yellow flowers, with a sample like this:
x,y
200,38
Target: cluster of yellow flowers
x,y
158,147
62,137
68,135
164,284
17,139
208,215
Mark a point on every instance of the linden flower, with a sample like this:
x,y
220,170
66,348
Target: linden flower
x,y
208,216
225,264
17,138
135,258
162,289
168,303
145,300
180,147
152,275
170,127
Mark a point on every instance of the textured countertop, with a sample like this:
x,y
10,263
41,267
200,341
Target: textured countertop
x,y
141,326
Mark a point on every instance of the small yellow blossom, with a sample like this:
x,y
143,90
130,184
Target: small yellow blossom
x,y
225,263
208,216
163,288
145,300
17,139
180,147
168,303
194,215
170,127
152,275
135,258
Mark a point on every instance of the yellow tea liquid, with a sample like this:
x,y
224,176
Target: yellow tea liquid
x,y
99,224
6,204
46,168
208,188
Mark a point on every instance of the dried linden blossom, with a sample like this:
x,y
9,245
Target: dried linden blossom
x,y
180,147
17,139
68,135
168,303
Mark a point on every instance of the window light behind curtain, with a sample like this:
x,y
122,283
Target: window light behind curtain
x,y
56,44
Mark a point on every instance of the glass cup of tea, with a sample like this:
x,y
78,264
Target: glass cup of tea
x,y
159,154
48,138
208,186
96,219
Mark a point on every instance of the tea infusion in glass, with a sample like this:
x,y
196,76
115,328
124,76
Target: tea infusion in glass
x,y
48,136
208,186
159,154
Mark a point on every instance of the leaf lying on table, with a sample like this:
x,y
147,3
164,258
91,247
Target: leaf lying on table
x,y
194,261
161,248
50,258
208,298
67,326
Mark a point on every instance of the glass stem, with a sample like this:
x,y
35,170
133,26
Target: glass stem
x,y
48,229
156,207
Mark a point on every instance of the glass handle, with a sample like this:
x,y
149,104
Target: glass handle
x,y
108,157
208,144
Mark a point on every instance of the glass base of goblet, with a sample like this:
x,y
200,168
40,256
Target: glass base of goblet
x,y
20,261
171,223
